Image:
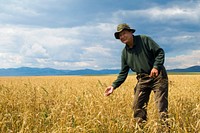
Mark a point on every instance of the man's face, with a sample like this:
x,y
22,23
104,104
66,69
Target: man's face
x,y
125,36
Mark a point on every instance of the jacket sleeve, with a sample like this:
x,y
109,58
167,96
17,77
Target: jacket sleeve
x,y
159,58
123,72
158,53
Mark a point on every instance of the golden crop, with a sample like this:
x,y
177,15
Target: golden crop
x,y
73,104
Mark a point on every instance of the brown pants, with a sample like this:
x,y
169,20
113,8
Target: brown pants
x,y
142,91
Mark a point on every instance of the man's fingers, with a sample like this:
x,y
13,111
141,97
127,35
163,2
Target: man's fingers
x,y
107,94
150,74
108,91
156,74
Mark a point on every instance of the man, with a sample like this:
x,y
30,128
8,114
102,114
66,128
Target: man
x,y
142,55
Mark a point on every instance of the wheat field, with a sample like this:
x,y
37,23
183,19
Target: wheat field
x,y
76,104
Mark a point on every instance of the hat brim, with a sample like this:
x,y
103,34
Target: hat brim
x,y
117,33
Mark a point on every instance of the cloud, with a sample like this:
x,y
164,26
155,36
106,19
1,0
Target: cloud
x,y
10,60
176,14
180,42
52,13
184,60
75,35
34,50
82,46
173,15
91,52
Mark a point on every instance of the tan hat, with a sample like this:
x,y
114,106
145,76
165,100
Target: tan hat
x,y
122,27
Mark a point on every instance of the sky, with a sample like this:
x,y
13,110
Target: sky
x,y
79,34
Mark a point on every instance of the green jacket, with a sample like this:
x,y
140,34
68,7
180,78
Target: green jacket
x,y
145,55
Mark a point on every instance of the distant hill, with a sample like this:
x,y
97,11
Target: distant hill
x,y
93,72
28,71
189,69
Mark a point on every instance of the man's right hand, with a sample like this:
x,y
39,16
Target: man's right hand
x,y
109,90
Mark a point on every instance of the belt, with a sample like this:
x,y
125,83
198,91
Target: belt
x,y
141,75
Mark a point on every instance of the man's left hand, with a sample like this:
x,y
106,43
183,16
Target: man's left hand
x,y
154,73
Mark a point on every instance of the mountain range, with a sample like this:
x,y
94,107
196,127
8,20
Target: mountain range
x,y
28,71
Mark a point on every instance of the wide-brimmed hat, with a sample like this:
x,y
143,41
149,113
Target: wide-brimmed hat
x,y
122,27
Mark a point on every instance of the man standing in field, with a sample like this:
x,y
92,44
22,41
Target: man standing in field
x,y
144,56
